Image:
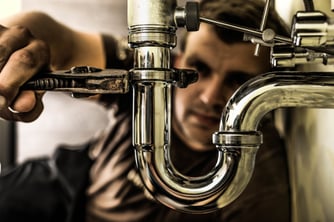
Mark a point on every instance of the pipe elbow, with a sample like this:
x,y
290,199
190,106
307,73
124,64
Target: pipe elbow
x,y
203,194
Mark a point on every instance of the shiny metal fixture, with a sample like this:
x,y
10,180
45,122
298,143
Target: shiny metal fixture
x,y
312,29
284,55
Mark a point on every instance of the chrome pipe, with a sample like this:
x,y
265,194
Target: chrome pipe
x,y
263,24
268,92
152,36
275,90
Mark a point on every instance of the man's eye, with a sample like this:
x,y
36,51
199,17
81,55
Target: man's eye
x,y
237,79
201,67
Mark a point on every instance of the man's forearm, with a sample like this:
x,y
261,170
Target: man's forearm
x,y
68,47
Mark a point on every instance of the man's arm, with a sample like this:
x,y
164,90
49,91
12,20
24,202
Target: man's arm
x,y
68,47
33,42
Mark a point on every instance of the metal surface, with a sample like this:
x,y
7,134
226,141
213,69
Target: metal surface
x,y
275,90
288,56
263,25
82,79
312,29
245,30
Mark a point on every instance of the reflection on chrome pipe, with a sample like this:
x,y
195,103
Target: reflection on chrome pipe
x,y
152,57
275,90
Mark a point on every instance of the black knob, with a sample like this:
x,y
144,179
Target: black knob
x,y
188,16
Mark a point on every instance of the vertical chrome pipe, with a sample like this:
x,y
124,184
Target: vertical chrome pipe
x,y
152,36
263,24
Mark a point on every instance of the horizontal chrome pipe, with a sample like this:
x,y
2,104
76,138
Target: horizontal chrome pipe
x,y
275,90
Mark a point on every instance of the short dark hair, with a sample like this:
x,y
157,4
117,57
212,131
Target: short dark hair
x,y
246,13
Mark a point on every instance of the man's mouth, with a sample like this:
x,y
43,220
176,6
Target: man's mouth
x,y
205,118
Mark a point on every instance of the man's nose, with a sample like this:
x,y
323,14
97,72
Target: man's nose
x,y
214,93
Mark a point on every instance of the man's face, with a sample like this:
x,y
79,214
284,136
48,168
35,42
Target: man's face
x,y
222,69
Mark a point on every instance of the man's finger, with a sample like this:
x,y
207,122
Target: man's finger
x,y
12,39
21,66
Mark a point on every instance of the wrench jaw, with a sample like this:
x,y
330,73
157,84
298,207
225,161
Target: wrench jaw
x,y
82,81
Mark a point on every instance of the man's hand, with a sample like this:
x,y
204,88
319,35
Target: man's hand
x,y
21,57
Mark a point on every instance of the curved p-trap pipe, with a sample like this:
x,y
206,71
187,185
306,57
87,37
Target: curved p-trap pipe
x,y
237,140
152,121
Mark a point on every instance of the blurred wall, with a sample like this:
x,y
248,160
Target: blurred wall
x,y
108,16
7,144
